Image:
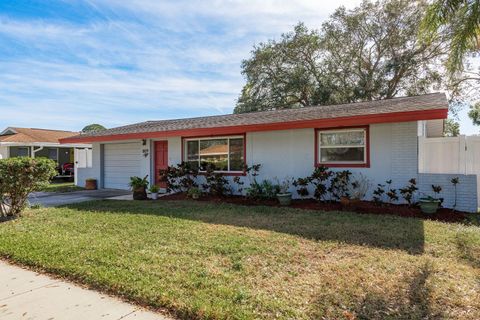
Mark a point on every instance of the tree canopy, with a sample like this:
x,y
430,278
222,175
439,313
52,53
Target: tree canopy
x,y
474,114
93,127
369,53
461,20
452,128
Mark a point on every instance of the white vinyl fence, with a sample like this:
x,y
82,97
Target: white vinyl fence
x,y
450,155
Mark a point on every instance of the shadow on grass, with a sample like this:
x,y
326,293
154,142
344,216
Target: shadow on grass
x,y
379,231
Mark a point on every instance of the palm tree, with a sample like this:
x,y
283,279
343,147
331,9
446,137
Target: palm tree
x,y
461,18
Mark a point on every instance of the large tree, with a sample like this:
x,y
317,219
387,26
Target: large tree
x,y
371,52
93,127
461,20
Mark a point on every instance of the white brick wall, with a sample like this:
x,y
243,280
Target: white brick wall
x,y
466,189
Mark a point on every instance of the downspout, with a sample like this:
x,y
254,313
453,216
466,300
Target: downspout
x,y
35,151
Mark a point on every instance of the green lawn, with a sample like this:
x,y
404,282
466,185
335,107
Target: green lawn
x,y
61,187
217,261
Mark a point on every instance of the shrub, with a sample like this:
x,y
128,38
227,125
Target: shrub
x,y
390,192
194,193
359,187
215,183
181,177
339,184
378,194
408,192
302,186
19,177
319,179
264,190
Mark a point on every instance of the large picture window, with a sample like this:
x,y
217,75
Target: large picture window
x,y
226,154
342,147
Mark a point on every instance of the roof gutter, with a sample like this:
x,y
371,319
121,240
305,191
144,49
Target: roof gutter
x,y
301,124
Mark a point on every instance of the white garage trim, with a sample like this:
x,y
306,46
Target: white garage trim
x,y
121,161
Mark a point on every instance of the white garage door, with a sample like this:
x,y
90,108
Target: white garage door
x,y
121,161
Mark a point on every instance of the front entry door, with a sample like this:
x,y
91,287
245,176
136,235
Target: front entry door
x,y
161,161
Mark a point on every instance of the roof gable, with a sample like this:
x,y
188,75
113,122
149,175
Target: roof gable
x,y
34,135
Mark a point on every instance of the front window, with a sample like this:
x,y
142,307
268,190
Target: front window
x,y
346,146
226,154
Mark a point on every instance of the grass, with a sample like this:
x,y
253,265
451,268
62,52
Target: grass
x,y
221,261
61,187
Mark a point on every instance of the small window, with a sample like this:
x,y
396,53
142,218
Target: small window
x,y
53,154
226,154
23,152
342,147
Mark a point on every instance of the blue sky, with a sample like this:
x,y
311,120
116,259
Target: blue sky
x,y
65,64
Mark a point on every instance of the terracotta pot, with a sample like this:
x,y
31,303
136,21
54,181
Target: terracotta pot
x,y
91,184
345,201
140,193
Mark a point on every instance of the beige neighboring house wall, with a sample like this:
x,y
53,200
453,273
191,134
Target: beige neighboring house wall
x,y
3,152
435,128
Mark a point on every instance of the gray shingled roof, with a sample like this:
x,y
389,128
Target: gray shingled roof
x,y
403,104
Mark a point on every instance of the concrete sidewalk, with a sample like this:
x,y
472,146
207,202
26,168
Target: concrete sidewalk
x,y
28,295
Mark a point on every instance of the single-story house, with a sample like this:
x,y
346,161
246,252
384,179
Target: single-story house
x,y
378,139
35,143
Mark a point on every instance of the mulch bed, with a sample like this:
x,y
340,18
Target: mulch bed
x,y
443,214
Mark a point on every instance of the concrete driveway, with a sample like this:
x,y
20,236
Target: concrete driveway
x,y
52,199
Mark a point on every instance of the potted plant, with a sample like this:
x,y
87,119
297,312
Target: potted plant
x,y
194,193
91,184
154,191
284,196
139,187
429,205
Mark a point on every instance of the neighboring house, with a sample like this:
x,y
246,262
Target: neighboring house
x,y
35,143
378,139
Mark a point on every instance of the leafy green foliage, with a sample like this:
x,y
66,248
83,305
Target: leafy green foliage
x,y
137,182
460,19
379,193
368,53
18,178
451,128
408,192
215,182
181,177
339,184
474,114
93,127
264,190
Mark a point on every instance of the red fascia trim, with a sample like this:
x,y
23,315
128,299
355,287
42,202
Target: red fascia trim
x,y
301,124
231,174
344,165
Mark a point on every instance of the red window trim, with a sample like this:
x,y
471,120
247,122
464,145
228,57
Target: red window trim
x,y
344,165
233,173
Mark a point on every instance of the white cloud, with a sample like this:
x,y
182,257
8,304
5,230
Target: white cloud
x,y
136,60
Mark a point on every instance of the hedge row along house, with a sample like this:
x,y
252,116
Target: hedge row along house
x,y
378,139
